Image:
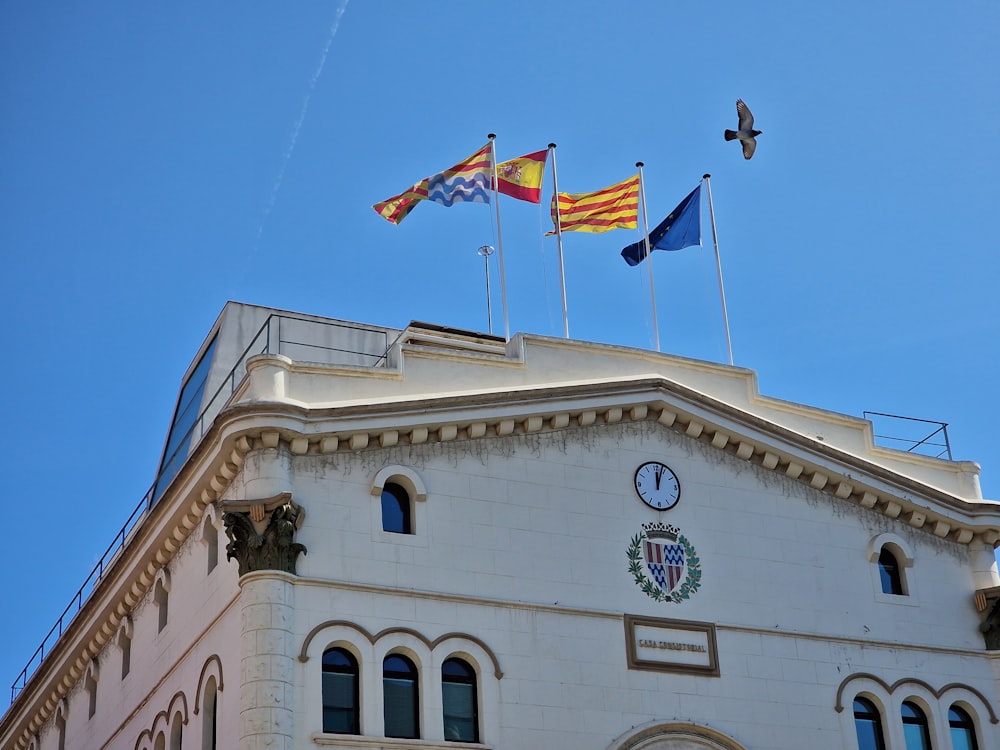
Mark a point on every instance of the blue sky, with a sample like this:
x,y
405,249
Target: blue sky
x,y
160,159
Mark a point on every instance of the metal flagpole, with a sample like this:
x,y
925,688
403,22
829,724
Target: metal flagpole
x,y
718,266
562,268
496,202
486,251
649,261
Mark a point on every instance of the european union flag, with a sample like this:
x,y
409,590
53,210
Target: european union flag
x,y
680,229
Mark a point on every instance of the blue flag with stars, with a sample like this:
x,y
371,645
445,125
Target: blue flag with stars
x,y
680,229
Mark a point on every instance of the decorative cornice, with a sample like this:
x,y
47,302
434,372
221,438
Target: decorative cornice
x,y
747,437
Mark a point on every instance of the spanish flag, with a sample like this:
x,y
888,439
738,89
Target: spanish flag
x,y
614,207
521,178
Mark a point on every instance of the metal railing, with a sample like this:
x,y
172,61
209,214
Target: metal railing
x,y
268,340
913,442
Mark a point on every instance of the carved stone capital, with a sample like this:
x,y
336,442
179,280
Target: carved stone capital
x,y
988,605
262,533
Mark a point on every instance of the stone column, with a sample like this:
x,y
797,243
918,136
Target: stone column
x,y
267,669
262,541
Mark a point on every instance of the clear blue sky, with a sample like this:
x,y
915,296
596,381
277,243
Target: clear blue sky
x,y
160,159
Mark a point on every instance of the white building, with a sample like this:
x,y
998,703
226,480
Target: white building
x,y
437,536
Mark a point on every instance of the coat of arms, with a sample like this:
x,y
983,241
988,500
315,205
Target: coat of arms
x,y
666,554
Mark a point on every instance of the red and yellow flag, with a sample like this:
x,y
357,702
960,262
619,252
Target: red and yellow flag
x,y
521,178
614,207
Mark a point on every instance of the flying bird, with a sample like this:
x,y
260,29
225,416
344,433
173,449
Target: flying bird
x,y
746,134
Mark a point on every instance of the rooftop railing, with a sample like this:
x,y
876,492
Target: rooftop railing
x,y
910,434
272,338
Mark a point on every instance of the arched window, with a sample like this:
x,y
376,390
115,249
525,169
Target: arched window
x,y
396,510
915,728
176,732
210,715
889,572
458,697
399,686
963,730
340,692
868,725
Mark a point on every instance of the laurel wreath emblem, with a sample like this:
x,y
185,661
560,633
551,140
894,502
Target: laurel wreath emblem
x,y
649,588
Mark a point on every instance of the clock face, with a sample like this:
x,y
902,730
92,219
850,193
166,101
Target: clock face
x,y
657,485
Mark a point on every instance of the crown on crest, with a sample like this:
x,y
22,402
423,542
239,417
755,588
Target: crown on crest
x,y
660,530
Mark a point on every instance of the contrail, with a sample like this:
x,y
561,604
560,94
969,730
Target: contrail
x,y
298,123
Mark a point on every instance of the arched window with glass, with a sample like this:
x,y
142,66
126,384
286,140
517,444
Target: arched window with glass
x,y
868,725
340,692
401,697
962,728
396,510
915,728
890,573
459,701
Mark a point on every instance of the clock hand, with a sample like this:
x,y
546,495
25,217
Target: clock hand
x,y
659,475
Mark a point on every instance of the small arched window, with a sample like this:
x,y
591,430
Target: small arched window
x,y
963,729
459,701
210,716
177,732
868,725
340,692
889,573
401,698
397,514
915,729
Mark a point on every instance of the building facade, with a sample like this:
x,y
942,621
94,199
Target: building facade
x,y
364,537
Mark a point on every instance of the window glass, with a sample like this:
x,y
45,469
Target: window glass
x,y
399,683
868,725
340,692
185,416
396,510
915,729
458,688
888,568
963,730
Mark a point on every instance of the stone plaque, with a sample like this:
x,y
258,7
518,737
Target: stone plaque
x,y
664,645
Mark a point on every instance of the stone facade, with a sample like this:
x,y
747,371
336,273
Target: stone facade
x,y
532,558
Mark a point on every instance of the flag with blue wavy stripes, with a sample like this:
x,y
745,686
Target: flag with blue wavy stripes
x,y
468,181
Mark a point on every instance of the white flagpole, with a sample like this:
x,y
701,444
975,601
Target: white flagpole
x,y
562,267
496,202
649,260
718,266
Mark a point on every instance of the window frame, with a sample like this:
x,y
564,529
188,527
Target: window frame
x,y
471,678
918,718
969,727
410,675
873,715
397,497
890,573
353,669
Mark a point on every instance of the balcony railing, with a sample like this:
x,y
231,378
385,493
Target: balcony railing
x,y
274,337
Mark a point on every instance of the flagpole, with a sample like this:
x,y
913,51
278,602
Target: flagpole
x,y
718,266
562,267
649,261
496,202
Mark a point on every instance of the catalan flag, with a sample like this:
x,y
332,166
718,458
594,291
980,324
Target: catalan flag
x,y
521,178
466,182
614,207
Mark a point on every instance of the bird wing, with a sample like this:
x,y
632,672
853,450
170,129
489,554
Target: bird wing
x,y
749,146
745,115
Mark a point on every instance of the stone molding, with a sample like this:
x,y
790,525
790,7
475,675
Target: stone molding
x,y
860,677
839,477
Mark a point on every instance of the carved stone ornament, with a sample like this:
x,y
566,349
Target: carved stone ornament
x,y
262,534
988,605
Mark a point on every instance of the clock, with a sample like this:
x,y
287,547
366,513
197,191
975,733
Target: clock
x,y
657,485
